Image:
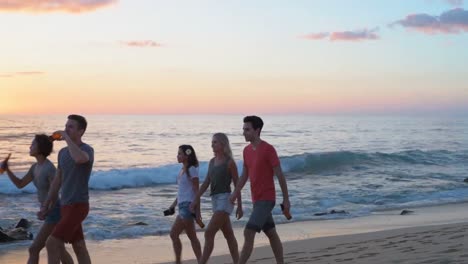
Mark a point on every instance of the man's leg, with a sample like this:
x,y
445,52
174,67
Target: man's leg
x,y
276,245
54,247
81,252
69,230
249,237
259,219
65,257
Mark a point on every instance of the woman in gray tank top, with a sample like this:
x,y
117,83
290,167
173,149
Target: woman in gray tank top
x,y
221,172
41,173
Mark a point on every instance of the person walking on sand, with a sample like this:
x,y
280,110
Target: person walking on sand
x,y
222,171
75,163
188,187
41,174
261,163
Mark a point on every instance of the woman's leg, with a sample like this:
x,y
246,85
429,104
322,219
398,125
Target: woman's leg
x,y
39,242
231,240
177,228
192,235
217,221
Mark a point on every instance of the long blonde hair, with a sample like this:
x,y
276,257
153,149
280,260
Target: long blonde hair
x,y
221,137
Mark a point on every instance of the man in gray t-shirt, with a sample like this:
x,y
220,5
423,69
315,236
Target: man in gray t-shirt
x,y
75,163
75,177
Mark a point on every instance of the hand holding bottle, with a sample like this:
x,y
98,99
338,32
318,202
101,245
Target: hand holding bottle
x,y
57,135
169,211
4,165
198,220
239,212
285,209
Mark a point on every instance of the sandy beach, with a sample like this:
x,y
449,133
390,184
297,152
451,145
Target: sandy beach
x,y
436,234
429,244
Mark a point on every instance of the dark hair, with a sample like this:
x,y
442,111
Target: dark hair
x,y
257,122
191,157
44,144
82,123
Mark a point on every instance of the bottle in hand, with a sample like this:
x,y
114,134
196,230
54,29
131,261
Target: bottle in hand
x,y
199,221
287,214
4,164
55,136
169,211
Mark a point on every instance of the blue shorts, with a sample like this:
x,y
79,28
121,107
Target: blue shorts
x,y
220,203
184,211
54,215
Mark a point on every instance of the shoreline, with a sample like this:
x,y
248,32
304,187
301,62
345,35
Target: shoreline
x,y
314,235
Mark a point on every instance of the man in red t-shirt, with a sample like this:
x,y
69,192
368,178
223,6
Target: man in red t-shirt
x,y
261,163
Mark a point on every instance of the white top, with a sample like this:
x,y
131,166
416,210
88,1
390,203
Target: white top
x,y
185,192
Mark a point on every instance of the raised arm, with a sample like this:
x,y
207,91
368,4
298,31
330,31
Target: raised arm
x,y
78,155
20,183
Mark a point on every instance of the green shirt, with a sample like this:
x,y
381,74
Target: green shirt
x,y
220,177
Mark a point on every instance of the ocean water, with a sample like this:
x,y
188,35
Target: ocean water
x,y
360,164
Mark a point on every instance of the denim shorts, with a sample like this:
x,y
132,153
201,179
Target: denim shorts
x,y
184,211
54,215
261,218
220,203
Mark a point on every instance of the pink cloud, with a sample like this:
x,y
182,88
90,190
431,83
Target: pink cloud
x,y
142,44
454,21
27,73
316,36
455,2
45,6
356,35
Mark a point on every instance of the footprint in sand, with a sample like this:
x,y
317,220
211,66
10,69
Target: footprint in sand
x,y
294,253
406,250
438,261
456,237
452,250
367,255
344,260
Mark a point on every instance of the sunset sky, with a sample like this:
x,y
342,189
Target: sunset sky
x,y
220,56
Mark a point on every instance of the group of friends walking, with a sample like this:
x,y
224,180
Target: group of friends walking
x,y
63,216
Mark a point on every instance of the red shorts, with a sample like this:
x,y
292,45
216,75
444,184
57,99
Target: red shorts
x,y
69,229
